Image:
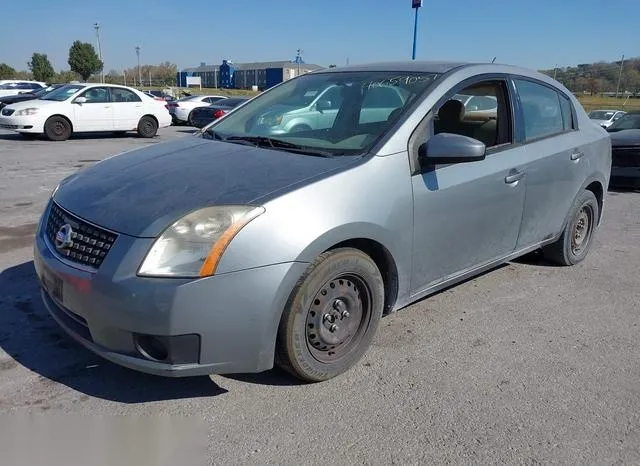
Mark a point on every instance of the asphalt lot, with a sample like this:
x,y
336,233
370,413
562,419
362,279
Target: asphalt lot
x,y
527,364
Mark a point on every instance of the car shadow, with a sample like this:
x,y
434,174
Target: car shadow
x,y
33,339
535,258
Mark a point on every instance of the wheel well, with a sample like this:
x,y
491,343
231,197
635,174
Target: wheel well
x,y
598,191
61,116
151,116
385,263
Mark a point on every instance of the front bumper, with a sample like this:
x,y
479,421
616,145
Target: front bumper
x,y
229,321
26,124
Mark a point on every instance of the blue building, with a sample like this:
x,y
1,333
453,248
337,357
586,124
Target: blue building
x,y
231,75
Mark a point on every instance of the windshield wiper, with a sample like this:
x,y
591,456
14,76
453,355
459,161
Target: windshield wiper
x,y
278,144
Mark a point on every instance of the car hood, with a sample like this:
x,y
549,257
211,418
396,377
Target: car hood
x,y
141,192
33,103
625,137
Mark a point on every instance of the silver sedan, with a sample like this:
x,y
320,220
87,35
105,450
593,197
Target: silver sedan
x,y
239,247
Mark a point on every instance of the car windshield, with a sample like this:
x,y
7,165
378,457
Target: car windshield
x,y
62,93
600,115
628,121
334,113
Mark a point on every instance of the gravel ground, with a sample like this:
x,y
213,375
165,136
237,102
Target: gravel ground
x,y
527,364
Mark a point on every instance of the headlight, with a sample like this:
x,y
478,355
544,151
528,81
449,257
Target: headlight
x,y
271,119
193,246
27,111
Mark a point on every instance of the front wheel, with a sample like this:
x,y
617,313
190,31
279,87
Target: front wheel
x,y
57,128
331,317
147,127
574,243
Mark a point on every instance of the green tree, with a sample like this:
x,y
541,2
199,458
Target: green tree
x,y
41,67
66,76
84,60
6,72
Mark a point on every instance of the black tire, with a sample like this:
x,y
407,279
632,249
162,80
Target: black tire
x,y
190,119
299,129
331,316
57,128
574,243
147,127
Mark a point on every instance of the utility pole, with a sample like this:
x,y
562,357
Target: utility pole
x,y
139,70
555,71
97,28
415,4
620,76
149,77
124,78
299,59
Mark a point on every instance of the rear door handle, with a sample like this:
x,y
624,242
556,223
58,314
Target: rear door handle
x,y
513,177
576,155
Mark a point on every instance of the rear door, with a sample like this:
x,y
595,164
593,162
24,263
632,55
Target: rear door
x,y
96,114
555,165
127,109
468,214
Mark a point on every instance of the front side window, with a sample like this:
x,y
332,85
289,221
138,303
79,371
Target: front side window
x,y
487,121
97,95
351,110
540,109
123,95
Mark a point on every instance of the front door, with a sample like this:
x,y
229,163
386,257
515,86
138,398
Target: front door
x,y
468,214
96,114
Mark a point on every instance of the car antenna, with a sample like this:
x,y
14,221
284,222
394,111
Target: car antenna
x,y
494,59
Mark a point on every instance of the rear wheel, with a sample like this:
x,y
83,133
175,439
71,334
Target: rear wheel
x,y
57,128
190,118
574,243
147,127
331,317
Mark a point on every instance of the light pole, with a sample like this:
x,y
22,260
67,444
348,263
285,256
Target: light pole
x,y
415,4
299,59
97,28
139,70
620,76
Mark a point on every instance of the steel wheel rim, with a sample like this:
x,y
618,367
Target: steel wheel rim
x,y
58,128
582,228
147,127
337,318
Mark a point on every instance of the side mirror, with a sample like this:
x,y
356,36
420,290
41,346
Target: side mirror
x,y
80,100
322,105
445,148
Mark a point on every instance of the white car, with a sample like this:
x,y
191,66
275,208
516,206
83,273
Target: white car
x,y
181,109
16,86
76,108
605,118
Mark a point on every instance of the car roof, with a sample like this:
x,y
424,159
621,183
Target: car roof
x,y
442,67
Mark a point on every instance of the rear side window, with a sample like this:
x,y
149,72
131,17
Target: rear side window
x,y
567,114
541,110
123,95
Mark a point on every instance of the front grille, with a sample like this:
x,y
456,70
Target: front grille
x,y
7,111
89,244
625,157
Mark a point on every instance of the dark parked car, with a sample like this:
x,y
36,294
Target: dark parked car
x,y
30,95
202,116
625,153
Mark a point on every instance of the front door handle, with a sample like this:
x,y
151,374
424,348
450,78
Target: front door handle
x,y
576,155
513,177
